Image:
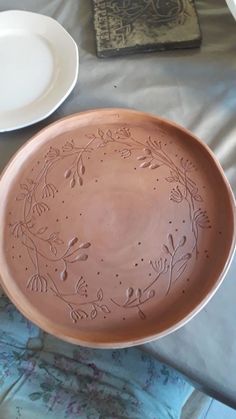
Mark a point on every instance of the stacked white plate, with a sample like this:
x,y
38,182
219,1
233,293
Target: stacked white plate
x,y
39,67
232,7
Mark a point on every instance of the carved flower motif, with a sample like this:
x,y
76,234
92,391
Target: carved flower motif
x,y
17,229
49,190
201,219
125,153
81,287
69,145
53,153
37,283
123,133
40,207
187,165
54,237
176,195
77,314
105,137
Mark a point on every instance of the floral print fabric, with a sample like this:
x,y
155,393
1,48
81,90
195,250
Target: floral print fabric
x,y
43,377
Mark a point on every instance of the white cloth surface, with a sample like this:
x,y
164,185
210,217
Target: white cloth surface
x,y
196,88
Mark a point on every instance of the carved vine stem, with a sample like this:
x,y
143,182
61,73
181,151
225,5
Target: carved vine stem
x,y
90,308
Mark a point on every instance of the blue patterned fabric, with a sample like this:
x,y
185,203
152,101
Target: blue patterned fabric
x,y
43,377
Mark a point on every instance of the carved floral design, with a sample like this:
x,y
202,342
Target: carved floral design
x,y
37,283
177,262
80,310
41,244
174,264
35,195
135,299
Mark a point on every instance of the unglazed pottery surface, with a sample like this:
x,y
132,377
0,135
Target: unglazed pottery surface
x,y
117,227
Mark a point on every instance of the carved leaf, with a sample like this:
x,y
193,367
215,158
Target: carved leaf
x,y
73,241
81,257
154,166
138,293
81,181
84,245
170,179
105,309
53,250
187,256
101,133
42,230
72,182
151,294
141,157
147,151
166,249
171,241
64,275
93,314
67,173
182,241
82,170
198,198
100,295
109,133
145,164
129,292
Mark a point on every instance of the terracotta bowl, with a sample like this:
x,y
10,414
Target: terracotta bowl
x,y
117,228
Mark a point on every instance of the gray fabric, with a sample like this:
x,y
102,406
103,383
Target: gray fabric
x,y
196,89
196,406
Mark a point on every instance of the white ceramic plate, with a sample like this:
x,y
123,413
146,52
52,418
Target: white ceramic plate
x,y
232,7
38,70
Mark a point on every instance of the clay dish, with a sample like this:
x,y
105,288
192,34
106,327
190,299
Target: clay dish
x,y
117,228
